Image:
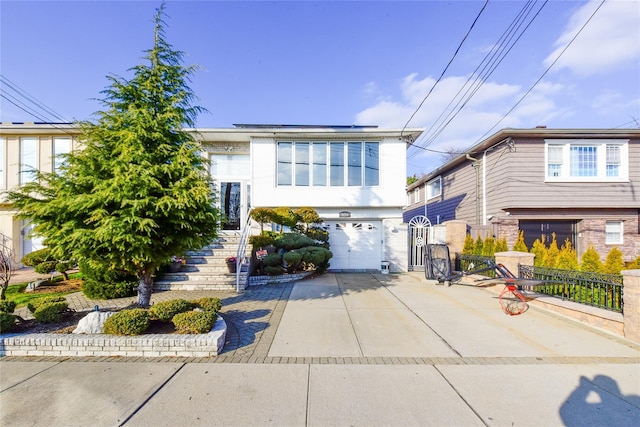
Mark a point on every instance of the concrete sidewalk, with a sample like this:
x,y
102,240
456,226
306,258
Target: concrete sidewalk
x,y
350,349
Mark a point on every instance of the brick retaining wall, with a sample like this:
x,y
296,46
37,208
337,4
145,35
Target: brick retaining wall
x,y
157,345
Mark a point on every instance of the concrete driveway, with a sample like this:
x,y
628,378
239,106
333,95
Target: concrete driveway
x,y
351,349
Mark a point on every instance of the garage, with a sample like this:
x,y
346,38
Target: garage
x,y
355,245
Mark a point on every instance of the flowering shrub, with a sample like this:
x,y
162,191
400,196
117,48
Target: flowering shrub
x,y
175,258
231,259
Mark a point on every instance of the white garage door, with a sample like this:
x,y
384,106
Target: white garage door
x,y
355,245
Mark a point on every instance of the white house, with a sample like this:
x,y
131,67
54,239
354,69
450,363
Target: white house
x,y
354,176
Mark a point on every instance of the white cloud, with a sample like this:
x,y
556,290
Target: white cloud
x,y
610,40
472,123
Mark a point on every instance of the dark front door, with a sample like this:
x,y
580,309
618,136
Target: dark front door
x,y
230,201
536,229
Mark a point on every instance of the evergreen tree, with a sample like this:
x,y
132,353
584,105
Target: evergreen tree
x,y
568,258
539,249
467,248
520,245
139,191
614,262
591,260
633,265
553,252
477,246
501,245
489,246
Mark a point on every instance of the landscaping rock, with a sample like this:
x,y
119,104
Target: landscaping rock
x,y
92,323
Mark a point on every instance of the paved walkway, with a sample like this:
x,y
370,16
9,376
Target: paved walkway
x,y
347,349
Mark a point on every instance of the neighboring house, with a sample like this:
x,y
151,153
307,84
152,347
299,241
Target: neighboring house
x,y
582,184
354,176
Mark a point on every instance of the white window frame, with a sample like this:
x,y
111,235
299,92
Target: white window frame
x,y
614,233
3,157
416,195
562,166
28,159
60,146
434,188
344,168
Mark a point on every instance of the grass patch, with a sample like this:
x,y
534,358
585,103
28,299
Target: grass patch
x,y
17,294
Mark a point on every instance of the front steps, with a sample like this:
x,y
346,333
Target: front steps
x,y
206,269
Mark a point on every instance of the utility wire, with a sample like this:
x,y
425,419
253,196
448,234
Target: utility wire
x,y
28,103
542,76
446,68
491,62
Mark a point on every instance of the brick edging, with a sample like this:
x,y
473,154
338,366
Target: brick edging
x,y
156,345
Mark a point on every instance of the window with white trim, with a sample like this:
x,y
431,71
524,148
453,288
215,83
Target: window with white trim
x,y
321,164
416,195
28,159
61,147
3,147
434,188
614,233
587,160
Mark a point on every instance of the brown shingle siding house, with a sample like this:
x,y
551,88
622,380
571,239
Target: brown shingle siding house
x,y
582,184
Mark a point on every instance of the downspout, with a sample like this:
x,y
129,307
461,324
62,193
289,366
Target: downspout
x,y
475,166
484,188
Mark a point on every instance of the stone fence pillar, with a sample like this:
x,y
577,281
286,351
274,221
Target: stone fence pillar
x,y
456,233
511,259
631,299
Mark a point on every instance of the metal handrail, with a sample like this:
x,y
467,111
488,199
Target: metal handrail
x,y
242,245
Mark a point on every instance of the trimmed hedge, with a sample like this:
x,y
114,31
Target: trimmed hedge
x,y
7,322
33,305
165,310
132,321
50,312
212,304
102,283
194,322
7,306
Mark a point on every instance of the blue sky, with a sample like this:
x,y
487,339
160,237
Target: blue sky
x,y
340,62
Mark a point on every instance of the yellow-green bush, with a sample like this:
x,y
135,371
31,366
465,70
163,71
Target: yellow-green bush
x,y
212,304
134,321
50,312
194,322
165,310
36,303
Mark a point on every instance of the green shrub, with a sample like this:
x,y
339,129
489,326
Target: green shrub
x,y
50,312
99,282
132,321
273,260
36,257
614,263
291,241
208,304
33,305
7,322
165,310
318,234
261,241
45,267
292,259
194,322
591,260
273,270
7,306
316,257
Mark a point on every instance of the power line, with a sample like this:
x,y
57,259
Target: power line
x,y
543,74
445,68
28,103
491,61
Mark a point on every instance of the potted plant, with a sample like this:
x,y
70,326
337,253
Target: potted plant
x,y
231,264
176,264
